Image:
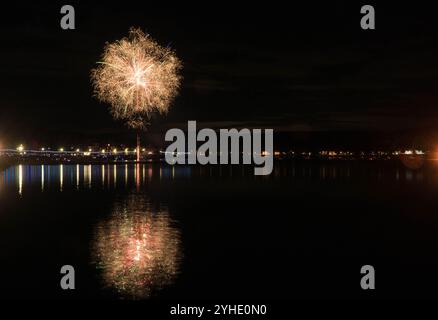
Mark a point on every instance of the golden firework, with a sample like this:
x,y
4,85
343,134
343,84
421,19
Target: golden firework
x,y
137,77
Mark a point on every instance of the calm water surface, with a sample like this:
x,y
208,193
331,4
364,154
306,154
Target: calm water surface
x,y
151,231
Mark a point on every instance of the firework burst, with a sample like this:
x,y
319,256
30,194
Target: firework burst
x,y
137,77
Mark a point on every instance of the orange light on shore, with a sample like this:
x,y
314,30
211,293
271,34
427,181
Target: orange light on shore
x,y
412,159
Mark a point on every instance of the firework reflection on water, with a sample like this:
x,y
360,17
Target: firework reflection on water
x,y
138,248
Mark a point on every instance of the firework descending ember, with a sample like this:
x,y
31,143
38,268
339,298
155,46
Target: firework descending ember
x,y
138,248
137,77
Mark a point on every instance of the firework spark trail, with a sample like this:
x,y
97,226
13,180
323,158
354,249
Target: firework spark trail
x,y
137,77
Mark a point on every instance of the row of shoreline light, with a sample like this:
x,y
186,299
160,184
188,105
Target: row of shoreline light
x,y
21,149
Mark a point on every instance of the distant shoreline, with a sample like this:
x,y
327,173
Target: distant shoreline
x,y
6,162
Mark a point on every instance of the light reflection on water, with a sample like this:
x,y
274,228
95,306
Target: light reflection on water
x,y
137,249
63,177
136,245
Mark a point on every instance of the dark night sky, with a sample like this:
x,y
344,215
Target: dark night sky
x,y
305,70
